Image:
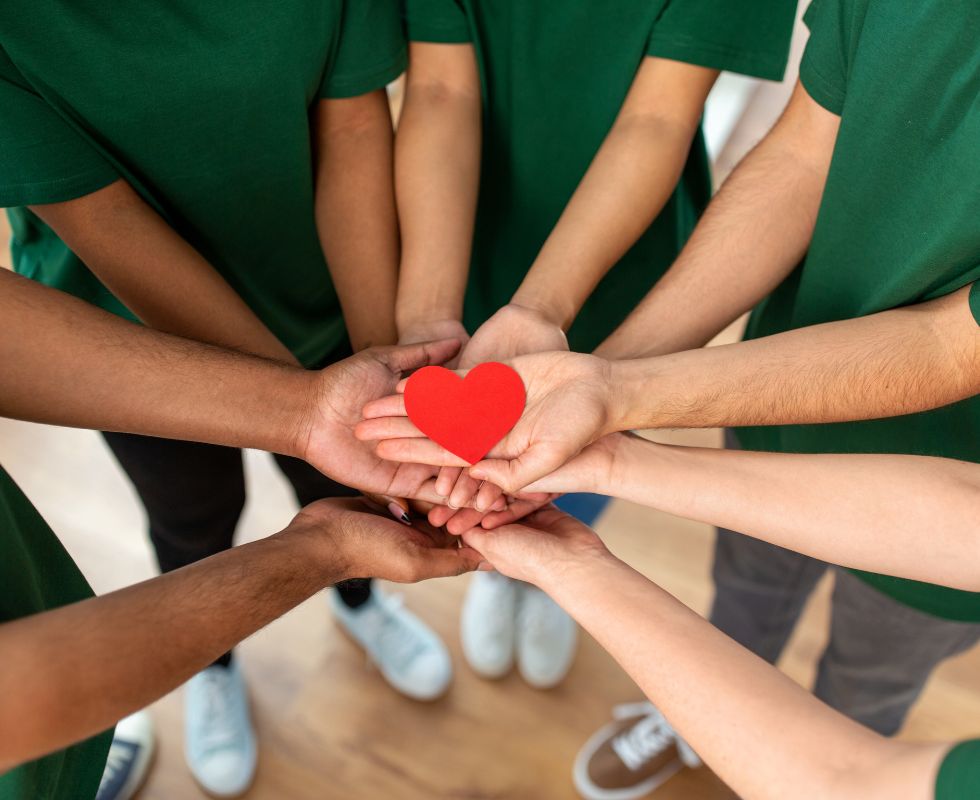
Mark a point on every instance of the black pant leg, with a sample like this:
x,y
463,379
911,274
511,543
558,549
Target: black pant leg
x,y
193,494
310,485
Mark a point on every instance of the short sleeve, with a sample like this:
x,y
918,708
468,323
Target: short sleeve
x,y
823,71
975,301
371,51
959,774
439,21
751,37
45,160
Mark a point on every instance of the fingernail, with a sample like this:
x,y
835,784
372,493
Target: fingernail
x,y
484,566
478,474
398,513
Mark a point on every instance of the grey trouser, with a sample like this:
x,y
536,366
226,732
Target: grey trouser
x,y
880,653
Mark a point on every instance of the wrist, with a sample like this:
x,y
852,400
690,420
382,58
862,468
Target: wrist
x,y
627,399
567,579
299,399
319,547
552,306
412,329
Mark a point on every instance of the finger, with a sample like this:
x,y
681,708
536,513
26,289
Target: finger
x,y
396,506
418,451
447,480
440,515
464,491
373,430
519,509
512,476
413,356
500,505
446,562
464,520
488,496
391,406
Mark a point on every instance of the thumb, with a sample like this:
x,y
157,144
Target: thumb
x,y
512,476
414,356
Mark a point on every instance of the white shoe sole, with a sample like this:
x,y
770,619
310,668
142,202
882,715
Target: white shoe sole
x,y
589,791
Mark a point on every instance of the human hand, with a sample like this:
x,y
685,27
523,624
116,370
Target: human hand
x,y
540,549
340,392
354,542
569,405
433,331
514,330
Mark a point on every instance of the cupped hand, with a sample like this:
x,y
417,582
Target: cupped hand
x,y
540,548
358,543
341,391
514,330
567,408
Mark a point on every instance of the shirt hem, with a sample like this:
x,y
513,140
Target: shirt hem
x,y
717,57
367,81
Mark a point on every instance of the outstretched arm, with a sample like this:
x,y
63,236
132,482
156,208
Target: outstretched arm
x,y
437,175
69,673
763,734
837,508
754,232
155,273
355,212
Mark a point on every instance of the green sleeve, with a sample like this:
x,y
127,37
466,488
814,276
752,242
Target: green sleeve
x,y
371,52
754,40
975,301
823,71
45,160
959,774
440,21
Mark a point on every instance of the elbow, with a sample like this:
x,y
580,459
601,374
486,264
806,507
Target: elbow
x,y
442,93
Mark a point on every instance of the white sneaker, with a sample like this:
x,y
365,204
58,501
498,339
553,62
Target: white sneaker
x,y
546,639
128,763
409,654
487,624
219,741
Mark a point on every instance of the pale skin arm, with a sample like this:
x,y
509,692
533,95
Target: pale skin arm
x,y
836,508
164,281
754,232
355,212
896,362
632,176
72,672
437,174
760,732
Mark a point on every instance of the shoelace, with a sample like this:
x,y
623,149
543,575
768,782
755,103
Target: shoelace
x,y
219,729
397,641
648,738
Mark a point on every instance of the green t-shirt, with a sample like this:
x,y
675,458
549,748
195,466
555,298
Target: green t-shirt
x,y
37,574
959,774
554,76
204,107
900,218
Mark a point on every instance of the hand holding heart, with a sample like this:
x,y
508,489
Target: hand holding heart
x,y
513,330
567,396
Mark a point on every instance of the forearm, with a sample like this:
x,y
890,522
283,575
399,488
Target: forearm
x,y
437,173
74,671
125,377
754,232
155,273
632,177
896,362
908,516
764,735
355,213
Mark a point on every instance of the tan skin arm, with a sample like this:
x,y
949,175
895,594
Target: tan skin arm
x,y
164,281
355,212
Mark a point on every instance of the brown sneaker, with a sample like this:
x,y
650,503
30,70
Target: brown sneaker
x,y
632,756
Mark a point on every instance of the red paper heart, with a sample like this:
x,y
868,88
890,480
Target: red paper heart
x,y
467,416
